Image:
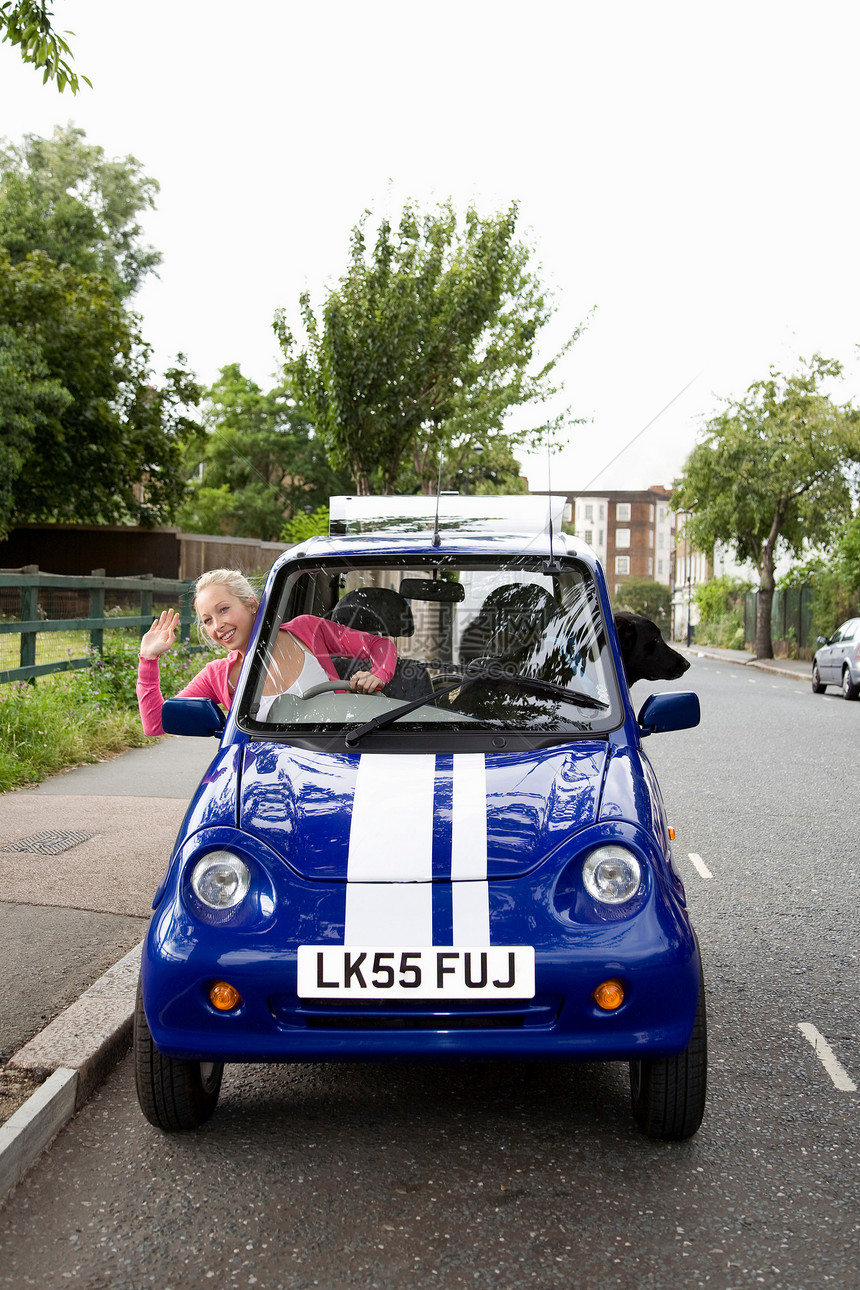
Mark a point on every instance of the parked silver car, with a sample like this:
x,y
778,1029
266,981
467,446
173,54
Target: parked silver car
x,y
837,661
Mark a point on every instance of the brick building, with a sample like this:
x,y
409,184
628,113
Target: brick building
x,y
636,534
631,532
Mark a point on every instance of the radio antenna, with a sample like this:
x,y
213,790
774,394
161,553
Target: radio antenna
x,y
437,537
554,565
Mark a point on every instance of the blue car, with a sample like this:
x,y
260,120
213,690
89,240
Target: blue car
x,y
472,862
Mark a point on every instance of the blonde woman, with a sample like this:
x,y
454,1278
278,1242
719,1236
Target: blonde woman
x,y
226,609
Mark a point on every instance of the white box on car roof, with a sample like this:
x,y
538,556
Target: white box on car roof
x,y
521,515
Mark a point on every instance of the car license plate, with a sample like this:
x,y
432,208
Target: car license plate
x,y
433,972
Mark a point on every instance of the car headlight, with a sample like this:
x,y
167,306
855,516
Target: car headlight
x,y
221,880
612,875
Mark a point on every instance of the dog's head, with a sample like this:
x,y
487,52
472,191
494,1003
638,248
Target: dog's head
x,y
646,655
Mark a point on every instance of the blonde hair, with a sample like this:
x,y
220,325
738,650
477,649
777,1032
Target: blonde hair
x,y
233,579
235,582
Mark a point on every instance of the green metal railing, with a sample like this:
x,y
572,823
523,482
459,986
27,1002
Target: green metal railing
x,y
31,623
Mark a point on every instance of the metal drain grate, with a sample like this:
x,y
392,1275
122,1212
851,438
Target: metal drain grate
x,y
51,842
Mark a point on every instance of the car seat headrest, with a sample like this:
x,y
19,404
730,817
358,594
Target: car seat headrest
x,y
379,610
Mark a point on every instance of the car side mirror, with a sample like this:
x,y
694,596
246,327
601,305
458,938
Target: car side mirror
x,y
675,710
822,640
200,717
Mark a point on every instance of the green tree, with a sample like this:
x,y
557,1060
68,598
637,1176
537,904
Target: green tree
x,y
644,596
721,612
64,197
27,24
261,464
834,577
774,469
304,526
94,440
29,398
423,348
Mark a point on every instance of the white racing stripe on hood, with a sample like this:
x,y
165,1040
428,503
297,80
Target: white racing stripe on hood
x,y
389,896
389,913
470,892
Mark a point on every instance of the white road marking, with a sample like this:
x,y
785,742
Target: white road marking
x,y
699,865
840,1077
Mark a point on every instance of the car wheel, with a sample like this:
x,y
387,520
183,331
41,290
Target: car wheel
x,y
668,1095
817,687
849,689
172,1094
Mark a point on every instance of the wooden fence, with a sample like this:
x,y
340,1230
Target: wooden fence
x,y
26,597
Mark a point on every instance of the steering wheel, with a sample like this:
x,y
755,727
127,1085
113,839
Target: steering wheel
x,y
445,678
323,687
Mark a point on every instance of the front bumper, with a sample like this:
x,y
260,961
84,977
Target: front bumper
x,y
653,953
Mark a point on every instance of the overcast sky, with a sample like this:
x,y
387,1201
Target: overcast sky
x,y
690,169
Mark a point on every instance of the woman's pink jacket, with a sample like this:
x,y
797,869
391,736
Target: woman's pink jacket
x,y
321,637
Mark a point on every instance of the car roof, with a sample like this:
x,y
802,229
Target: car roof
x,y
500,526
460,545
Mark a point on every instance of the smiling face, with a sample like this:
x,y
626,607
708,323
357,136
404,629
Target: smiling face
x,y
226,619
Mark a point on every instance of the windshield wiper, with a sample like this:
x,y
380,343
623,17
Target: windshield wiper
x,y
386,718
549,687
482,674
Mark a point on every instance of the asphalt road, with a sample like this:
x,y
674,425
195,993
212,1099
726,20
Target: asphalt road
x,y
409,1176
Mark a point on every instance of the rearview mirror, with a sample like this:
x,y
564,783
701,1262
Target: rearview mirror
x,y
675,710
440,592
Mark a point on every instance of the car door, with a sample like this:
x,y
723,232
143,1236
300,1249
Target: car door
x,y
827,658
843,648
832,655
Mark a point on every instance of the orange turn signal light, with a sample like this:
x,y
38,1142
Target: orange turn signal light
x,y
609,995
224,996
671,835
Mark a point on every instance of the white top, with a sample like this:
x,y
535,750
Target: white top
x,y
312,673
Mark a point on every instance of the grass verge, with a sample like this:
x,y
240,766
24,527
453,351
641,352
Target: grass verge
x,y
69,718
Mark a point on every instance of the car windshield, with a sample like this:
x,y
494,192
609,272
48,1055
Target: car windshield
x,y
470,645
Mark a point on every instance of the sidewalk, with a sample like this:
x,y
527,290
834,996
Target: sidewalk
x,y
794,668
80,858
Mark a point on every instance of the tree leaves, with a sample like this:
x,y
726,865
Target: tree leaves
x,y
92,437
27,24
98,440
422,348
777,467
64,197
260,464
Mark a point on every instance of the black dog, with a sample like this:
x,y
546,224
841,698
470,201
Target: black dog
x,y
646,655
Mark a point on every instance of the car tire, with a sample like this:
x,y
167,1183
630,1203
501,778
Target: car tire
x,y
817,687
668,1095
172,1094
850,690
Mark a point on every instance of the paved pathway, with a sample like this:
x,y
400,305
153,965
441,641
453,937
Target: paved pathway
x,y
66,918
792,667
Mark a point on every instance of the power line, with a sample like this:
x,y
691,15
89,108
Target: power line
x,y
639,434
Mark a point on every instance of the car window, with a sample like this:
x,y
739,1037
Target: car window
x,y
845,632
515,647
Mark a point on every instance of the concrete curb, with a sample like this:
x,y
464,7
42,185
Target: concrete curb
x,y
80,1047
793,674
799,672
